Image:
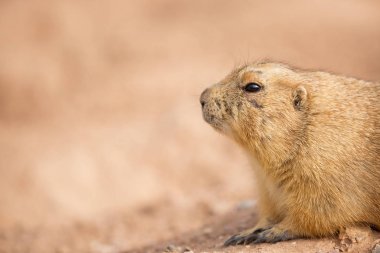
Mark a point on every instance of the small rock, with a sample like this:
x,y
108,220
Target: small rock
x,y
170,248
188,250
376,248
358,234
175,249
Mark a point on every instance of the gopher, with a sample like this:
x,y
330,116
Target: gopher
x,y
316,136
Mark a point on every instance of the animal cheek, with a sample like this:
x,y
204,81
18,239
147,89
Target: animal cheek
x,y
215,109
228,111
237,109
218,103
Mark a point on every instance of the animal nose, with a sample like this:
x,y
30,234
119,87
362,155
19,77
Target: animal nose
x,y
203,97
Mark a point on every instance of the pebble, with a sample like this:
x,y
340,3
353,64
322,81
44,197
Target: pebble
x,y
174,249
376,248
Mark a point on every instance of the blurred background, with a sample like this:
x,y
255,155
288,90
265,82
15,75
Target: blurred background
x,y
103,147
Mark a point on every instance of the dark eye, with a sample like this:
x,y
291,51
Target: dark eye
x,y
252,87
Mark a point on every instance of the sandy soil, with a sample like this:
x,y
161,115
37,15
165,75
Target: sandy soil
x,y
210,239
102,144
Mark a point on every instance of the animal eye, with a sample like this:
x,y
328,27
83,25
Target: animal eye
x,y
252,87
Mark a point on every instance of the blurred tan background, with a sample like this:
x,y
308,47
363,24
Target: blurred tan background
x,y
103,147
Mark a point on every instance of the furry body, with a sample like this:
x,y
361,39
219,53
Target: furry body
x,y
317,138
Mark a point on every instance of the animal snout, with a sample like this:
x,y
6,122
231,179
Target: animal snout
x,y
204,97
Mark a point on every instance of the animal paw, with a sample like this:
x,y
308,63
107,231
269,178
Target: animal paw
x,y
270,235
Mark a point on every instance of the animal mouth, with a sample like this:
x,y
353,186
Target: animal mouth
x,y
213,121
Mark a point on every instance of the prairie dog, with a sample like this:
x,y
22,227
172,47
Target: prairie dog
x,y
316,137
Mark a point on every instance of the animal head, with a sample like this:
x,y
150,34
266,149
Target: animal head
x,y
260,105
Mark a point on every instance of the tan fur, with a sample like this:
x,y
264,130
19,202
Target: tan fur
x,y
317,138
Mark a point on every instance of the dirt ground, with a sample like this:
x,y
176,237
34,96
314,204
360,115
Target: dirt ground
x,y
102,144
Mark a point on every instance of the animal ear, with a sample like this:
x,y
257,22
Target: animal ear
x,y
299,97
